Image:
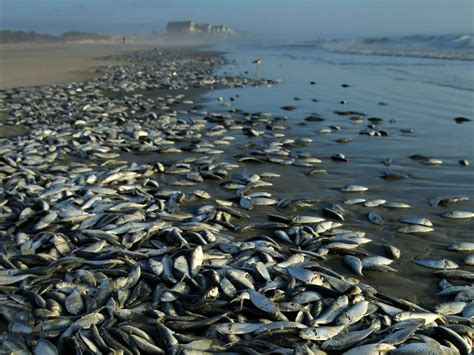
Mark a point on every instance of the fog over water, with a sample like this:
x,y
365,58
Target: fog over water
x,y
295,19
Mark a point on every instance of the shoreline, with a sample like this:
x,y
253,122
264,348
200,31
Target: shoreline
x,y
159,236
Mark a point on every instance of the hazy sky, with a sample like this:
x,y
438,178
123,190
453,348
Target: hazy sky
x,y
289,18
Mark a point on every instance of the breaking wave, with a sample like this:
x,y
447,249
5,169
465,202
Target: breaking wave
x,y
457,47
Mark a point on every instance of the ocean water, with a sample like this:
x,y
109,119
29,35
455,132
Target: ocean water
x,y
419,93
455,46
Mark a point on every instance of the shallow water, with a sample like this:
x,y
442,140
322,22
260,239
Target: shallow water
x,y
421,94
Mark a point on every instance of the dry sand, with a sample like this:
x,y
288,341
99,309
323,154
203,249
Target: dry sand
x,y
31,64
34,64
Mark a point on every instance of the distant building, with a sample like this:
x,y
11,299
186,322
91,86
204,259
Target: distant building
x,y
180,27
221,29
203,27
188,27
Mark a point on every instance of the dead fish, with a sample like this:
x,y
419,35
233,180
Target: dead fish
x,y
292,260
377,262
228,287
280,326
464,346
306,297
306,220
465,296
346,340
181,267
374,203
306,276
354,188
316,172
155,267
431,161
456,274
422,348
9,280
237,328
321,333
458,215
417,221
375,218
354,263
414,228
450,308
196,261
379,348
437,263
74,303
462,246
145,345
469,260
44,347
426,316
468,311
336,211
355,201
263,201
242,278
391,204
399,336
446,201
262,302
333,311
339,157
353,314
391,251
46,221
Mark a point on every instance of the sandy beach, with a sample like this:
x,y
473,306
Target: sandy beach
x,y
32,64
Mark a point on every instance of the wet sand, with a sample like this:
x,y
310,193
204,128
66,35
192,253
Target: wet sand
x,y
428,109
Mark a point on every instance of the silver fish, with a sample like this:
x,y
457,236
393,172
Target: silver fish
x,y
353,314
458,215
416,228
354,188
321,332
437,263
354,263
417,221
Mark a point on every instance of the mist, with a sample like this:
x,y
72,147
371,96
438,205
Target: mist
x,y
295,19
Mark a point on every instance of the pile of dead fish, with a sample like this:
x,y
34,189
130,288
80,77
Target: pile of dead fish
x,y
104,260
99,255
168,69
